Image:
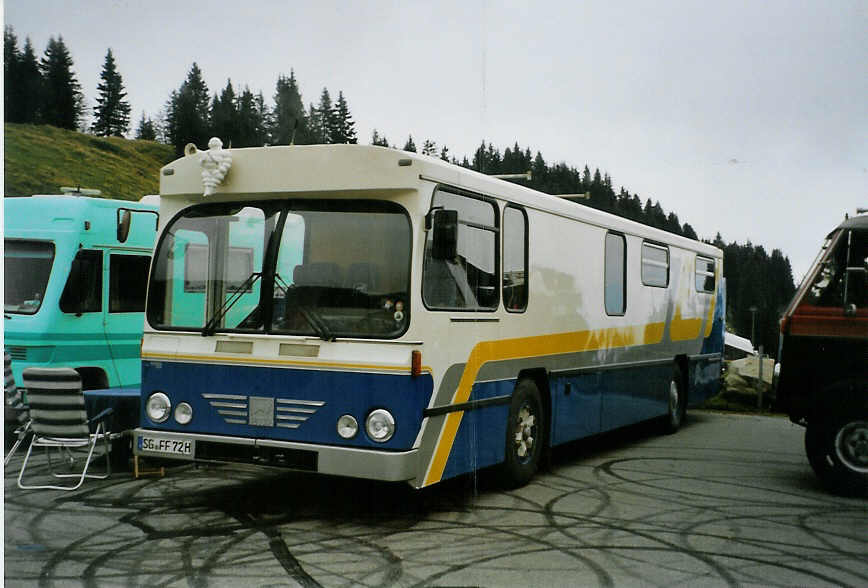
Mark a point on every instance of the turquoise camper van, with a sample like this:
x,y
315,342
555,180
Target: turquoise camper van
x,y
75,278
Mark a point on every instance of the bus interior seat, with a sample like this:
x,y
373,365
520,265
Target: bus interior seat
x,y
363,277
322,273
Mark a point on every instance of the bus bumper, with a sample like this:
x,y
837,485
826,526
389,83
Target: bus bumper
x,y
353,462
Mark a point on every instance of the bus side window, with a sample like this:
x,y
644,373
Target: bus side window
x,y
470,281
515,259
704,274
83,290
615,274
128,282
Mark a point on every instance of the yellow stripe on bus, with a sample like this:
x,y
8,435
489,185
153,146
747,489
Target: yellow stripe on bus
x,y
525,347
282,362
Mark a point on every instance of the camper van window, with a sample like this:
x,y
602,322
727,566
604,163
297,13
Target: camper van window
x,y
196,267
615,274
26,268
515,258
83,290
468,282
128,282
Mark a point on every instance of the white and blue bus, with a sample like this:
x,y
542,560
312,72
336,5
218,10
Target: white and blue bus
x,y
366,312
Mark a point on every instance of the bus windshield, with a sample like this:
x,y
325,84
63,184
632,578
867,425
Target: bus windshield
x,y
324,268
27,266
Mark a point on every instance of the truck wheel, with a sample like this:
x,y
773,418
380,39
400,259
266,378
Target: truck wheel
x,y
837,449
677,402
524,435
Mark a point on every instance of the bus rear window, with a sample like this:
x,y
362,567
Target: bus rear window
x,y
27,266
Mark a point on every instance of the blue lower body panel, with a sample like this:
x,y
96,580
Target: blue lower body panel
x,y
286,404
481,438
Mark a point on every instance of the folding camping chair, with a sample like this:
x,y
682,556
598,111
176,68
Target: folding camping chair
x,y
59,423
15,404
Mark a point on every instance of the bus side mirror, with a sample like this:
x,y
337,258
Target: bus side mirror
x,y
445,241
125,217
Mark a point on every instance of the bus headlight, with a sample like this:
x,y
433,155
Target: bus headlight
x,y
158,407
183,413
348,426
380,425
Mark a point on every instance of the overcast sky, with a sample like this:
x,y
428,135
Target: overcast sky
x,y
747,118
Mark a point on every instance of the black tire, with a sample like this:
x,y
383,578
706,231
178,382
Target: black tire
x,y
677,402
837,449
525,435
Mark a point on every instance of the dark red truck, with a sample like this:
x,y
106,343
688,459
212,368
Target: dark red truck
x,y
823,383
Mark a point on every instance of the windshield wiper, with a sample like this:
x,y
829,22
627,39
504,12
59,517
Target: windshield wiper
x,y
211,326
317,323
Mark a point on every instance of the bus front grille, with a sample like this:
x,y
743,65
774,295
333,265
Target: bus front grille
x,y
17,352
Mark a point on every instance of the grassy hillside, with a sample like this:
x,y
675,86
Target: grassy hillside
x,y
38,159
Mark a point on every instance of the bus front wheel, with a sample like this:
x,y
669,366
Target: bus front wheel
x,y
524,434
837,448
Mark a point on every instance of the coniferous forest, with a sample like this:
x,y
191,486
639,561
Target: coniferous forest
x,y
46,91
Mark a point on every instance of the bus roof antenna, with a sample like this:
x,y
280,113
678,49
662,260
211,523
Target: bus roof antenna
x,y
525,176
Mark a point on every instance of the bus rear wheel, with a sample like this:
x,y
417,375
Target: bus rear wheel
x,y
837,449
524,435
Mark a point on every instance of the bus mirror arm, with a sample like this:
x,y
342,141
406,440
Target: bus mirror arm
x,y
429,217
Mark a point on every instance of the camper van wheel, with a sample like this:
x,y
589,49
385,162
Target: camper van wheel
x,y
524,434
677,398
837,449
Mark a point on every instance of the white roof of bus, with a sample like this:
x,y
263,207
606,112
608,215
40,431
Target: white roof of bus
x,y
277,170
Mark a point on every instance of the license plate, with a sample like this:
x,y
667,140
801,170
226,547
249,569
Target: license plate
x,y
166,446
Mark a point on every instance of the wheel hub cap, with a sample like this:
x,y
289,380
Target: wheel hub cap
x,y
524,433
674,401
851,445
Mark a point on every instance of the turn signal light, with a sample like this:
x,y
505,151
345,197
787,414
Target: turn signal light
x,y
416,363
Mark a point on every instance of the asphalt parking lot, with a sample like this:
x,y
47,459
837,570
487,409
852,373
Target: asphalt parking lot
x,y
730,500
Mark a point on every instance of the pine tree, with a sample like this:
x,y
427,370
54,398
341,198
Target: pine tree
x,y
377,139
288,120
410,145
321,119
343,129
224,116
112,111
187,113
429,148
62,100
672,223
11,65
689,232
251,120
586,179
146,131
29,86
